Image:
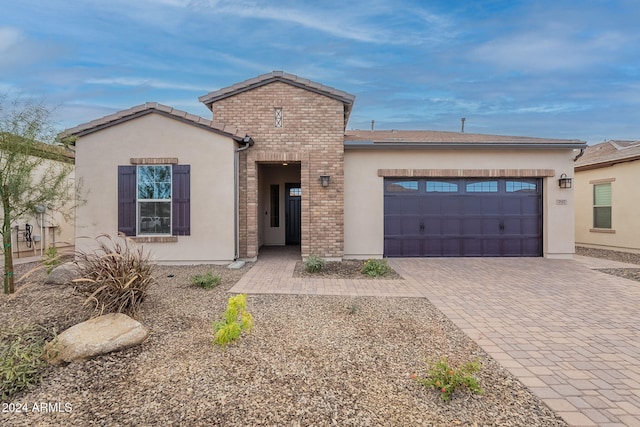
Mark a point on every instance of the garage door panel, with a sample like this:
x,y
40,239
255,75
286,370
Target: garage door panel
x,y
432,247
531,247
452,247
472,247
531,226
432,226
431,205
411,247
452,226
473,217
472,226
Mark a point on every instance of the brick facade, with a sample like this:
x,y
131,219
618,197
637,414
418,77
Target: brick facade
x,y
312,134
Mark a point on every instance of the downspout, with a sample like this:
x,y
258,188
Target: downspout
x,y
248,142
579,154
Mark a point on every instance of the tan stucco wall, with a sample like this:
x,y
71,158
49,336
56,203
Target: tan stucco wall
x,y
364,228
625,201
212,183
55,227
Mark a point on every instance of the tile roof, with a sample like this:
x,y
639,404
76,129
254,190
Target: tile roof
x,y
153,108
608,153
415,138
346,98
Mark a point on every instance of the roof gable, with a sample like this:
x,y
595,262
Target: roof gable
x,y
153,108
280,76
608,153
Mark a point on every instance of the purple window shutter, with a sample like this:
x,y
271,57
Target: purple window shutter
x,y
127,200
181,198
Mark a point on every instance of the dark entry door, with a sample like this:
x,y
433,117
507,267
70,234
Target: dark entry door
x,y
463,217
293,216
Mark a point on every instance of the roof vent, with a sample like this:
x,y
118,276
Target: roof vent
x,y
462,120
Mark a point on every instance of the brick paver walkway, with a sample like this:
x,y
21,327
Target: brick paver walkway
x,y
569,333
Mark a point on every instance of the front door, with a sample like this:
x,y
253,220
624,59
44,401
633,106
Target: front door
x,y
293,216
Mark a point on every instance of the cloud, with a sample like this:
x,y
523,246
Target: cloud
x,y
343,21
153,83
17,51
542,52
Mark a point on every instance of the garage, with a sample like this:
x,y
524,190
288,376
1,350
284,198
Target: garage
x,y
472,217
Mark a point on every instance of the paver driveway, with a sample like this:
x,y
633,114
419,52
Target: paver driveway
x,y
571,334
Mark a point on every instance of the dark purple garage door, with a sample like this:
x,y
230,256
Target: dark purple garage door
x,y
462,217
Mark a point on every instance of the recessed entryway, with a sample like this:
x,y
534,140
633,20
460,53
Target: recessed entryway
x,y
280,207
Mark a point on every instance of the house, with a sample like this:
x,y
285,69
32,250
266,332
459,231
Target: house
x,y
275,165
607,197
48,225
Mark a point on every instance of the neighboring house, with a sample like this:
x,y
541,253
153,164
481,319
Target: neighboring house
x,y
607,196
51,225
277,166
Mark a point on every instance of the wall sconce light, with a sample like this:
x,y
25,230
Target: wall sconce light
x,y
324,180
564,182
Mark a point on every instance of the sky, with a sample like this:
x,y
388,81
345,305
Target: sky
x,y
542,68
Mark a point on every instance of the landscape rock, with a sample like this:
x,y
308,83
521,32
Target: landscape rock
x,y
100,335
63,274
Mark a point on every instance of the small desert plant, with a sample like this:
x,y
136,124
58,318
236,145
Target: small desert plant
x,y
376,267
51,258
205,281
446,379
116,275
313,264
235,320
21,365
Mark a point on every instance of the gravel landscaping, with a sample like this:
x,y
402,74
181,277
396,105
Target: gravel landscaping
x,y
631,258
310,360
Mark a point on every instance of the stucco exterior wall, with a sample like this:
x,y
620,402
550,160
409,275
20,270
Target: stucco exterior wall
x,y
210,155
364,228
625,205
54,227
312,134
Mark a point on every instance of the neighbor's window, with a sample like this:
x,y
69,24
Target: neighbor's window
x,y
154,199
277,116
602,205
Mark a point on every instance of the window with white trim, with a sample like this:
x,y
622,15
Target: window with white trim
x,y
602,205
154,199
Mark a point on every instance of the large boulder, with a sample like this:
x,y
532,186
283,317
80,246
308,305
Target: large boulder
x,y
63,274
100,335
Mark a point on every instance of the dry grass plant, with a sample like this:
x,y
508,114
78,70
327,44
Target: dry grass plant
x,y
116,275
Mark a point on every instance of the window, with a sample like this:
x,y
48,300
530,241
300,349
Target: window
x,y
401,186
482,187
154,200
275,205
602,205
295,192
277,113
441,187
521,186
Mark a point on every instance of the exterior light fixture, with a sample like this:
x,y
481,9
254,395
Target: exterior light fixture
x,y
324,180
564,182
